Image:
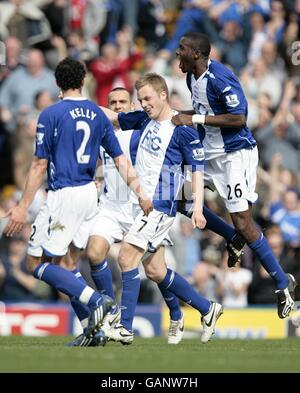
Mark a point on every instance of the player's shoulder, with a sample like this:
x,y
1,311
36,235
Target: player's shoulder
x,y
218,72
51,110
136,114
186,133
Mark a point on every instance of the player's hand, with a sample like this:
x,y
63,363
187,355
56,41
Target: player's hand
x,y
17,218
181,120
146,205
198,220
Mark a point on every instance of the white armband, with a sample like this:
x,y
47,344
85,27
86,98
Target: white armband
x,y
198,119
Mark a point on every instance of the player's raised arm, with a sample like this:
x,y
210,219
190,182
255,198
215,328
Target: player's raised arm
x,y
18,213
113,116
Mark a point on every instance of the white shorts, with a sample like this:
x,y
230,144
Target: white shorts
x,y
234,177
113,221
65,213
149,230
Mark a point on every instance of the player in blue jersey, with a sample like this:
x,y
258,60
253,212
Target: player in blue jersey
x,y
230,150
69,135
162,151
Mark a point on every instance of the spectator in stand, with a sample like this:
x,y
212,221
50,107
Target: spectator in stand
x,y
233,286
24,20
111,69
13,57
19,89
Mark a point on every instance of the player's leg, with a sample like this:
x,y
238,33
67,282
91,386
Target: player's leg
x,y
60,223
129,258
285,283
132,250
176,326
65,281
97,249
172,281
68,262
235,179
234,241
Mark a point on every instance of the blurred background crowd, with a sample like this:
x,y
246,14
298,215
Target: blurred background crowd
x,y
119,40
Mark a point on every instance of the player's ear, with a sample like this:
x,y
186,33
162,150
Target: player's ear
x,y
164,95
197,54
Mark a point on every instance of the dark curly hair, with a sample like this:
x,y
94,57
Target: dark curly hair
x,y
69,74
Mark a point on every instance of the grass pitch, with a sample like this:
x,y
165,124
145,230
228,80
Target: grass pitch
x,y
31,354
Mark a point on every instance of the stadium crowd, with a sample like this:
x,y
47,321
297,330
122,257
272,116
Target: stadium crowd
x,y
120,40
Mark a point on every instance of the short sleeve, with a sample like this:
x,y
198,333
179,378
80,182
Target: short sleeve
x,y
231,93
191,148
132,120
44,135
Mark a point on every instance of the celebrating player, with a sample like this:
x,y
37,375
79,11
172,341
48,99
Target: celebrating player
x,y
230,150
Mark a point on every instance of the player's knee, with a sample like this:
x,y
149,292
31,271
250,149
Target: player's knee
x,y
94,255
242,224
154,273
124,261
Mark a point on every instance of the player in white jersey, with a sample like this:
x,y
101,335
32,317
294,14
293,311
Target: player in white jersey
x,y
230,149
114,219
163,150
69,135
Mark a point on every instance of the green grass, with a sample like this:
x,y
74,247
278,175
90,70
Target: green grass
x,y
31,354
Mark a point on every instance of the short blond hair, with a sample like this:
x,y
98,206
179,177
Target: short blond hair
x,y
156,81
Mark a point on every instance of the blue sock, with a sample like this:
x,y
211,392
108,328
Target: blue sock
x,y
182,289
65,281
130,294
268,260
217,225
101,274
81,310
172,303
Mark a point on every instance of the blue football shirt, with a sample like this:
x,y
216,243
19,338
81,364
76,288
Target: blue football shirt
x,y
218,91
69,135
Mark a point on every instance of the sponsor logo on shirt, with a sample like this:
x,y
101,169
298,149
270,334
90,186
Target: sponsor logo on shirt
x,y
198,154
232,100
39,138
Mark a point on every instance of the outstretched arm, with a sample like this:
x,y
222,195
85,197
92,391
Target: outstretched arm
x,y
18,214
113,116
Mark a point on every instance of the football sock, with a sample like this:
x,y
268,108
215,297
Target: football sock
x,y
65,281
130,293
101,274
81,310
217,225
172,303
268,260
182,289
213,222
